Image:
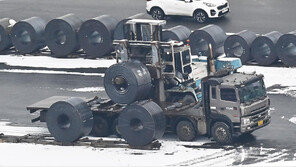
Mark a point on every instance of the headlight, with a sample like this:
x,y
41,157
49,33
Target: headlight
x,y
209,4
268,112
245,121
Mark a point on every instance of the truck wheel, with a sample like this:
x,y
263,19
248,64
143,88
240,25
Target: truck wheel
x,y
157,14
221,133
185,131
69,120
141,123
100,127
115,129
201,16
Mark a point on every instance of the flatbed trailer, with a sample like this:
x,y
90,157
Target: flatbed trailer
x,y
105,108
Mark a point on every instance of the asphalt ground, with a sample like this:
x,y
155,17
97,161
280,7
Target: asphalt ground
x,y
260,16
21,90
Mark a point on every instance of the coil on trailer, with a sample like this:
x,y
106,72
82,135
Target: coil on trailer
x,y
141,123
61,35
239,45
69,120
28,35
96,35
200,39
127,82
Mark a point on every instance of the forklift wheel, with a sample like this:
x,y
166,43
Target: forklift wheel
x,y
100,127
221,133
185,131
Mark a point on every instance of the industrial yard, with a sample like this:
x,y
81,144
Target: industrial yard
x,y
27,77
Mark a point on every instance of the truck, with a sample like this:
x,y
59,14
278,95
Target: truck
x,y
156,87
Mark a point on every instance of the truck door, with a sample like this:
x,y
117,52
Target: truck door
x,y
226,103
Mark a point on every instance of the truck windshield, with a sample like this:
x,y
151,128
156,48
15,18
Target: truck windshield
x,y
253,91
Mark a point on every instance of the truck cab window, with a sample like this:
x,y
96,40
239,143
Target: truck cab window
x,y
228,94
214,95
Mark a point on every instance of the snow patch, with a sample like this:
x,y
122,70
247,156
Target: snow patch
x,y
89,89
274,75
50,62
293,120
291,91
6,129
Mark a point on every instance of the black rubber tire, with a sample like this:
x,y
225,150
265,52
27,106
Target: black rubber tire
x,y
115,129
28,35
100,127
178,33
96,36
263,48
239,45
69,120
286,49
221,133
201,16
157,14
185,131
141,123
61,35
200,39
5,30
135,82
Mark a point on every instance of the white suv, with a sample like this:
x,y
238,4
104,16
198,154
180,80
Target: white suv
x,y
200,10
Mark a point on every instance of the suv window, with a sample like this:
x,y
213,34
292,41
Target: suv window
x,y
228,94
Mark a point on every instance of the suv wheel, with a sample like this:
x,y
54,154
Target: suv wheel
x,y
157,14
201,16
221,133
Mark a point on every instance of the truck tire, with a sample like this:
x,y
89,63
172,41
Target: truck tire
x,y
100,127
239,45
96,36
200,39
61,35
127,82
5,30
28,35
263,48
115,129
221,133
185,131
69,120
141,123
200,16
157,13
